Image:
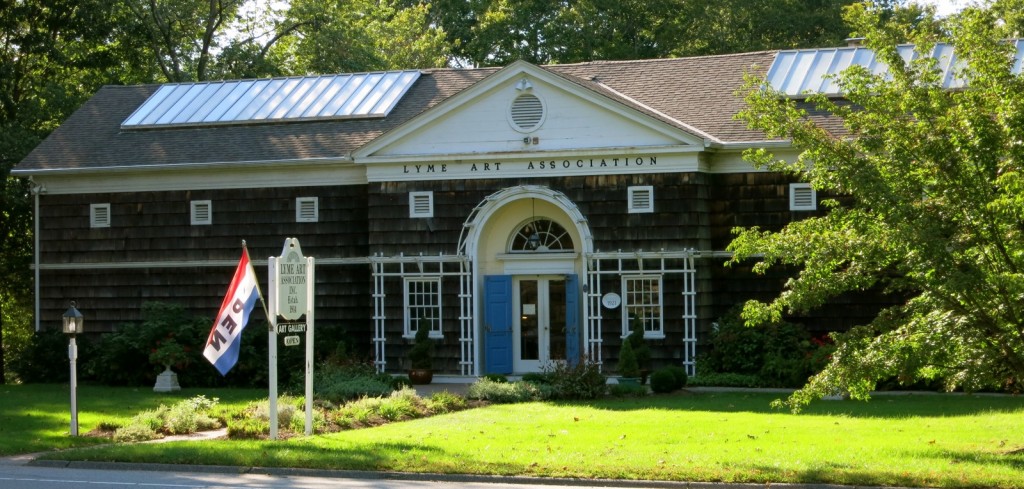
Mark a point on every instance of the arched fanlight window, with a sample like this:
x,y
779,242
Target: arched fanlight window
x,y
540,235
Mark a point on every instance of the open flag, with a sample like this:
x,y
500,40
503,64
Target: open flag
x,y
223,343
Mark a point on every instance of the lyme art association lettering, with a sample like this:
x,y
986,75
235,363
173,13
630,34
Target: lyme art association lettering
x,y
532,166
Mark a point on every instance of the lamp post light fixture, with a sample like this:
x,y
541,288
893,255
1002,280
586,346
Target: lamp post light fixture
x,y
73,324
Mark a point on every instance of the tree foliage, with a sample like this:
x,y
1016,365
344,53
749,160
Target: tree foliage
x,y
496,32
932,187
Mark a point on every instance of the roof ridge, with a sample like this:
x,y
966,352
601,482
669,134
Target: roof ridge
x,y
664,60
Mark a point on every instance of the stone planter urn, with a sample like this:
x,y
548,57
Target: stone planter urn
x,y
167,381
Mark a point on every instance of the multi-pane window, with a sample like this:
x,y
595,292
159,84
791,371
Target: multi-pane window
x,y
641,302
423,305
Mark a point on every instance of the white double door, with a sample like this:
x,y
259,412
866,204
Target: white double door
x,y
538,321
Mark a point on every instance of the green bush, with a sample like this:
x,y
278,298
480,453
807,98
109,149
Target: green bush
x,y
142,426
627,361
496,378
716,379
445,402
339,384
537,378
298,422
248,428
663,381
504,392
582,380
627,390
778,355
44,358
679,373
636,340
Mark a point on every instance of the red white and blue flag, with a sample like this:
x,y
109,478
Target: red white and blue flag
x,y
223,343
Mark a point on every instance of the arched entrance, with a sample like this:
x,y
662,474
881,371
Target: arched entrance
x,y
527,244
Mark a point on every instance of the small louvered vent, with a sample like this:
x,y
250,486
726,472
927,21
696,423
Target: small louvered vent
x,y
527,112
421,204
202,212
641,199
99,215
307,209
802,197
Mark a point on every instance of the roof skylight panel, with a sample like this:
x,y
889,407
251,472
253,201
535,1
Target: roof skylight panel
x,y
255,101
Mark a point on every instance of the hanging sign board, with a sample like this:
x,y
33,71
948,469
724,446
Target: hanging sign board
x,y
291,278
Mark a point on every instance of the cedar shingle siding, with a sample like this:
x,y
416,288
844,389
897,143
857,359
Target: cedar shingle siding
x,y
679,112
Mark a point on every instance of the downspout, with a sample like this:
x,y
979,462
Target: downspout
x,y
36,190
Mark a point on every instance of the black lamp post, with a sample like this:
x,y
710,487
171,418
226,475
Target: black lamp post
x,y
73,324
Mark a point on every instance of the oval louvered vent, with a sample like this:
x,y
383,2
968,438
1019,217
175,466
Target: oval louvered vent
x,y
527,112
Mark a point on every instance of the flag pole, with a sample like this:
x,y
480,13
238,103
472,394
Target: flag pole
x,y
266,312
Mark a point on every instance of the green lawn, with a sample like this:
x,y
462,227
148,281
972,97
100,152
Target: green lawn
x,y
923,440
35,418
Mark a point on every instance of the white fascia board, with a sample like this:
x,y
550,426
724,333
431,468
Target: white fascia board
x,y
201,177
732,161
511,72
569,153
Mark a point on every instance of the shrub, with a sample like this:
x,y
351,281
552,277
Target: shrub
x,y
339,384
421,355
679,373
627,390
298,423
445,402
248,428
190,416
627,361
778,355
142,426
537,378
504,392
636,340
582,380
496,378
716,379
663,381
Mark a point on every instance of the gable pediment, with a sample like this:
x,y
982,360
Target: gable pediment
x,y
526,110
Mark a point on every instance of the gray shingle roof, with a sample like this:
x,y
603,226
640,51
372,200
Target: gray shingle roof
x,y
691,93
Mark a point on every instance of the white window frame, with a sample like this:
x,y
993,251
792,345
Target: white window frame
x,y
415,200
641,189
415,305
794,189
196,219
655,312
99,215
301,203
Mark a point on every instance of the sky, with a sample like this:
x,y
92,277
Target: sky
x,y
945,7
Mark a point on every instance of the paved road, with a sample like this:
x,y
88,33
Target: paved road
x,y
31,477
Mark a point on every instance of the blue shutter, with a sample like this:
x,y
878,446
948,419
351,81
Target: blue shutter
x,y
498,324
572,319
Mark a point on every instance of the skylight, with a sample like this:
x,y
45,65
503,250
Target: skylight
x,y
361,95
799,72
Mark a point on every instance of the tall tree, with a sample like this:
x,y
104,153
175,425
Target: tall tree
x,y
53,54
495,32
932,184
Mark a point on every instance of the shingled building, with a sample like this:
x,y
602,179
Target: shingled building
x,y
523,214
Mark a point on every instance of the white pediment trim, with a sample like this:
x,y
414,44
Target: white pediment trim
x,y
516,71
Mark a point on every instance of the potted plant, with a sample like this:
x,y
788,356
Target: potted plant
x,y
168,352
629,372
421,356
